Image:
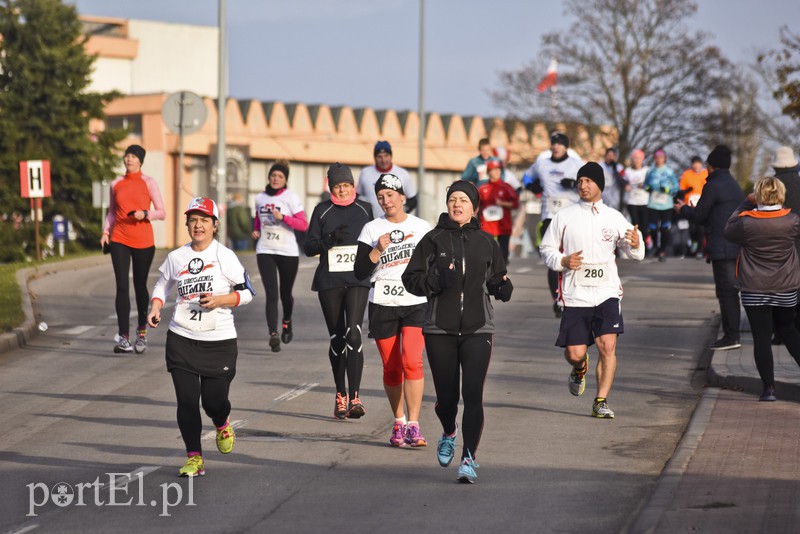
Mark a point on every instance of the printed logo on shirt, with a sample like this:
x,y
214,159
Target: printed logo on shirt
x,y
195,266
608,235
397,236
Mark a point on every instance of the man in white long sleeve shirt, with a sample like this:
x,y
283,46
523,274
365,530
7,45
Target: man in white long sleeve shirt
x,y
580,244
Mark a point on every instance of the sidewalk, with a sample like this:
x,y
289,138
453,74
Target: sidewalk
x,y
737,467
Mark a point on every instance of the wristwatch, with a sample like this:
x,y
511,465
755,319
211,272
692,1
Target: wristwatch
x,y
146,214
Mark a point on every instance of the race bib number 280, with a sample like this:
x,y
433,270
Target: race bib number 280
x,y
592,274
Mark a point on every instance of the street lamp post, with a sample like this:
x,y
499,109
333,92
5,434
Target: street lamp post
x,y
222,161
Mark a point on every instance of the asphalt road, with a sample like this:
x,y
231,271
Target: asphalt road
x,y
73,412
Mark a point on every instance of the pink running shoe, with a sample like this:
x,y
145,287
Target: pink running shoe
x,y
398,438
414,438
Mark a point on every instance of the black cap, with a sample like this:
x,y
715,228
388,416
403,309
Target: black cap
x,y
720,157
137,151
594,172
559,138
339,173
468,188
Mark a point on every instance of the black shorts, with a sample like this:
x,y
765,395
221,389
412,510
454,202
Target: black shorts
x,y
386,321
581,325
215,359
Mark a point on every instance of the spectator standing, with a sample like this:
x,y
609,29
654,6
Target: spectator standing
x,y
721,196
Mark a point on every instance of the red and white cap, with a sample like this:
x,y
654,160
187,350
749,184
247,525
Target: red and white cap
x,y
203,205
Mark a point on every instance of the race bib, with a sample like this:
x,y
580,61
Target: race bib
x,y
593,274
271,237
389,292
555,204
492,213
533,207
659,197
342,259
638,197
194,317
683,224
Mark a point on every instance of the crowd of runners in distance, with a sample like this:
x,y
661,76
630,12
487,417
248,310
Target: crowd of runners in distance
x,y
426,289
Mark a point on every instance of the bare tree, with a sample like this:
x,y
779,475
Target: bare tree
x,y
780,71
632,64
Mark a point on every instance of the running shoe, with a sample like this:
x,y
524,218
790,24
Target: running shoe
x,y
768,395
446,449
193,467
226,438
274,343
466,471
123,345
340,408
577,379
286,333
356,409
724,343
398,438
141,343
414,437
601,410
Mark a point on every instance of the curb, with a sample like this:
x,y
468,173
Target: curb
x,y
29,329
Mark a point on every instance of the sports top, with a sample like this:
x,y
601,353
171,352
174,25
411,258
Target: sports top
x,y
133,192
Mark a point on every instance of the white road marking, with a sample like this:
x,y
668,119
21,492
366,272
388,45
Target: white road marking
x,y
235,424
296,392
523,270
77,330
122,481
23,530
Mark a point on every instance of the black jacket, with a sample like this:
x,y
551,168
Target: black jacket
x,y
464,307
326,219
721,196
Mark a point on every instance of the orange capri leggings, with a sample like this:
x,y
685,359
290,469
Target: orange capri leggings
x,y
402,356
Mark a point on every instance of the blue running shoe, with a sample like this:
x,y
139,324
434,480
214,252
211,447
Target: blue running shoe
x,y
466,471
446,449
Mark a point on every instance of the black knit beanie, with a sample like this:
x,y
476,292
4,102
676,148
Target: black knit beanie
x,y
281,165
389,181
594,172
468,188
137,151
720,157
339,173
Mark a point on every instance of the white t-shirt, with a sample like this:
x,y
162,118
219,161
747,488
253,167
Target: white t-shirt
x,y
637,196
550,173
277,237
388,287
366,185
215,270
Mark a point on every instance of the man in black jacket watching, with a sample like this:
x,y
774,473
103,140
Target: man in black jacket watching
x,y
721,196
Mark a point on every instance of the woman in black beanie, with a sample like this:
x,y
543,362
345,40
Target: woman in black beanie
x,y
458,267
333,235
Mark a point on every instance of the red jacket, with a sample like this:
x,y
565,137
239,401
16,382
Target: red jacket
x,y
494,219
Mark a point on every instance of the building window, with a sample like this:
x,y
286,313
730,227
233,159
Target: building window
x,y
133,123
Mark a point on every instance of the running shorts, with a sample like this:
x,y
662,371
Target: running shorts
x,y
581,325
386,321
215,359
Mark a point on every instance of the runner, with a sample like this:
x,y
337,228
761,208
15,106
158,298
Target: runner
x,y
554,179
395,316
333,235
662,183
457,267
637,197
382,154
128,235
498,198
201,340
581,243
279,212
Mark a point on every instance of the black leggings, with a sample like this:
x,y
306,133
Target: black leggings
x,y
190,389
504,241
639,217
762,319
449,356
658,224
272,266
552,276
121,258
343,308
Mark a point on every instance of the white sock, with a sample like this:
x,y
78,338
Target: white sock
x,y
415,423
401,420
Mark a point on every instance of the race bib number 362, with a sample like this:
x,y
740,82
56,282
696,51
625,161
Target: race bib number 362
x,y
342,259
389,292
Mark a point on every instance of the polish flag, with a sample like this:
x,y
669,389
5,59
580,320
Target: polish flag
x,y
550,78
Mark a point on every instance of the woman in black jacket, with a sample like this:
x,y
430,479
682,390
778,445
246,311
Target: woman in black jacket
x,y
458,266
768,272
333,235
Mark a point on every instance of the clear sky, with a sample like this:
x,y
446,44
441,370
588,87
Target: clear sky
x,y
365,52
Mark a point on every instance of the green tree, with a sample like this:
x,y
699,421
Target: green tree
x,y
46,110
631,64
